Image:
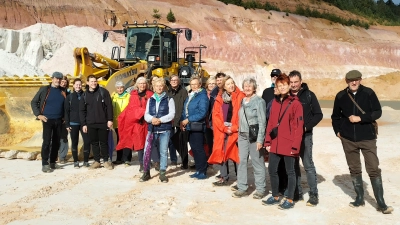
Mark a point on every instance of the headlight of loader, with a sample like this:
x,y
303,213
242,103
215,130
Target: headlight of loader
x,y
151,58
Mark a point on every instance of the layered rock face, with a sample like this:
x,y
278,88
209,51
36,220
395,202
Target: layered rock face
x,y
239,42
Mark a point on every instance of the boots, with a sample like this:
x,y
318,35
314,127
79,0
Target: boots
x,y
145,177
358,187
378,192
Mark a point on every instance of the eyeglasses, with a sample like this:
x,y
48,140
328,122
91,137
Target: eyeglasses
x,y
174,80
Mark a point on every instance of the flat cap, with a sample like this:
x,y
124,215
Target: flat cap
x,y
58,75
275,72
353,75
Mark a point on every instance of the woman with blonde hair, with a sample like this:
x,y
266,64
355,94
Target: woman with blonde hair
x,y
226,126
210,85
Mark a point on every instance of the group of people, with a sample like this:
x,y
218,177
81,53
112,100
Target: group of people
x,y
221,123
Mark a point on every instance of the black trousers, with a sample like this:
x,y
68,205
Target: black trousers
x,y
274,160
75,129
98,135
51,134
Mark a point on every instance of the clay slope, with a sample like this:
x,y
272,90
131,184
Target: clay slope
x,y
240,42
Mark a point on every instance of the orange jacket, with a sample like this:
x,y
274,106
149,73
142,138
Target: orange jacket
x,y
231,152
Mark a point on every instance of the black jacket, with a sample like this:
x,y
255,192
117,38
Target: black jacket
x,y
39,100
179,95
311,109
268,95
343,108
71,107
95,108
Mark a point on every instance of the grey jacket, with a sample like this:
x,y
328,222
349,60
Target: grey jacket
x,y
256,113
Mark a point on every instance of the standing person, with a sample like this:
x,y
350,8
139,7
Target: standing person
x,y
73,124
179,94
120,100
225,120
210,85
132,126
355,111
193,119
286,121
251,113
160,111
96,115
48,106
63,151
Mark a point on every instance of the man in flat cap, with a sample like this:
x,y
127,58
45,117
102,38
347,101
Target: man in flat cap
x,y
355,111
48,106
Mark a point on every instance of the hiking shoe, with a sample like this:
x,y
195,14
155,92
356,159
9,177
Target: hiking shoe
x,y
117,162
145,177
298,198
184,167
62,161
108,165
141,168
174,164
258,195
95,165
157,166
221,182
218,177
55,166
239,194
46,169
127,164
313,201
234,188
163,178
194,175
286,205
387,210
76,165
271,201
201,176
86,164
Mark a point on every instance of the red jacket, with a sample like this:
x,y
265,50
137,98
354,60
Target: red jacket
x,y
290,130
232,152
132,128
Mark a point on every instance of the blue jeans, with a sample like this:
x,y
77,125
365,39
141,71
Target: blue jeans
x,y
196,141
171,147
308,163
160,140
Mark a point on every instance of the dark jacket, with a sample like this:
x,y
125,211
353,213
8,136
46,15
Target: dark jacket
x,y
39,100
197,108
71,107
290,130
179,95
163,110
311,109
343,108
95,108
268,95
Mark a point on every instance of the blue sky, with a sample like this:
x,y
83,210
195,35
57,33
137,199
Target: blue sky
x,y
396,2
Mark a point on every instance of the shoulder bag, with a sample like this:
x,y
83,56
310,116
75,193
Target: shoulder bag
x,y
253,129
274,132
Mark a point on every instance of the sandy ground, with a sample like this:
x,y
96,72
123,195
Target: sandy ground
x,y
80,196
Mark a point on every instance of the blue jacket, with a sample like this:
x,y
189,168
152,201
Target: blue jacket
x,y
197,109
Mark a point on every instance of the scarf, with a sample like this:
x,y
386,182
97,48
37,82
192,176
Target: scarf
x,y
226,97
158,97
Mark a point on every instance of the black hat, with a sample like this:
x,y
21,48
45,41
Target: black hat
x,y
276,72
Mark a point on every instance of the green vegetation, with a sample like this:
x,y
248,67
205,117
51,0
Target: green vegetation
x,y
385,13
171,16
156,14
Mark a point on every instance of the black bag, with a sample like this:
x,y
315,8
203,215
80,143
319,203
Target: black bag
x,y
253,129
196,126
274,132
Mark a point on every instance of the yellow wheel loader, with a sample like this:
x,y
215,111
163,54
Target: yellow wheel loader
x,y
150,50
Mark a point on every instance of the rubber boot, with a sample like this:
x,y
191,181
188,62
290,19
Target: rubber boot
x,y
145,177
359,188
378,192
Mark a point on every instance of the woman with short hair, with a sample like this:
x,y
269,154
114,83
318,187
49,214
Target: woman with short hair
x,y
283,138
251,117
225,123
63,151
210,85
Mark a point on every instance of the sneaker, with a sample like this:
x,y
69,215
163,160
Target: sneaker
x,y
286,205
313,201
194,175
108,165
239,194
201,176
145,177
55,166
141,168
258,195
76,165
234,188
220,183
163,178
46,169
95,165
86,164
157,166
271,201
127,164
